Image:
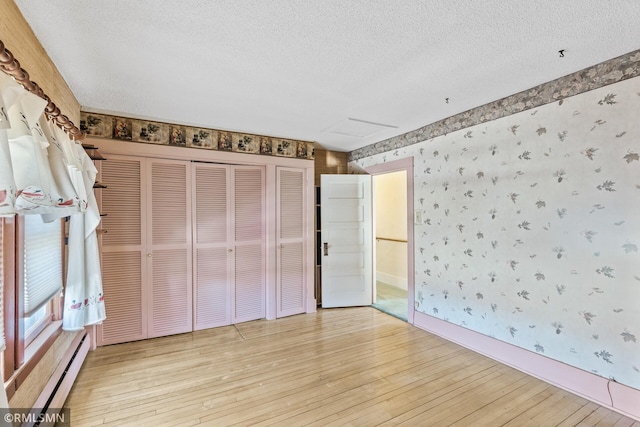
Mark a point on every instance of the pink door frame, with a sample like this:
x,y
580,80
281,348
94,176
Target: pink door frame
x,y
397,166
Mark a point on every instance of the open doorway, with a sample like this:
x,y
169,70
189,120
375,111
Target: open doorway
x,y
390,213
394,289
390,232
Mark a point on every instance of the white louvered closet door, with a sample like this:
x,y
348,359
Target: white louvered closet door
x,y
249,234
212,246
169,247
123,251
290,241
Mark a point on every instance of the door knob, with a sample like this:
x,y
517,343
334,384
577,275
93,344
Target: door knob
x,y
325,247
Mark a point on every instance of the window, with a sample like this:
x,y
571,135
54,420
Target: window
x,y
32,274
42,276
36,322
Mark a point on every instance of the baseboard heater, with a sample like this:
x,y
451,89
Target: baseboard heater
x,y
57,388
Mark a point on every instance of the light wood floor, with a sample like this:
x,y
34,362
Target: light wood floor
x,y
353,366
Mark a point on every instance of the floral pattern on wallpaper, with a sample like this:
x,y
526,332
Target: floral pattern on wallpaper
x,y
612,71
532,229
135,130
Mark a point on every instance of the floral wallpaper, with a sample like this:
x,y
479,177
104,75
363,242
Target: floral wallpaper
x,y
532,229
144,131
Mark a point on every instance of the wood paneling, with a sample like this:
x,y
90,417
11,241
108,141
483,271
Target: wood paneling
x,y
329,162
18,37
336,367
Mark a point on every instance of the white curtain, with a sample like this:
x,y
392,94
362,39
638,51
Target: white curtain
x,y
43,172
9,92
69,200
84,301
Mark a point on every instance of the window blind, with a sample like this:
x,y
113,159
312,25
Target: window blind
x,y
42,262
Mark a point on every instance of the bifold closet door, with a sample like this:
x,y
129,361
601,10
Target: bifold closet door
x,y
290,241
249,231
229,241
146,249
169,247
212,246
123,251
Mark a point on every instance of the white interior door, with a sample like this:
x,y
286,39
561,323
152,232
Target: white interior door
x,y
347,249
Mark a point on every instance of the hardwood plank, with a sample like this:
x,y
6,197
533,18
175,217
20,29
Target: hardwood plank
x,y
624,422
558,406
337,395
596,417
511,406
354,366
579,415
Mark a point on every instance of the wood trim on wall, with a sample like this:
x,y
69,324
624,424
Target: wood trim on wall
x,y
19,293
9,308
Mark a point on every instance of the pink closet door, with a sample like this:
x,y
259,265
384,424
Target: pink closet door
x,y
249,234
212,246
123,251
290,242
169,248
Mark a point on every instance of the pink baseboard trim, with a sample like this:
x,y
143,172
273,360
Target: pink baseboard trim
x,y
612,395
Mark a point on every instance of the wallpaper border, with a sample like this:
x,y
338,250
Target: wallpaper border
x,y
161,133
605,73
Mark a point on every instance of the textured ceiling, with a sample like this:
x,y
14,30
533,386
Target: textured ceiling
x,y
342,73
